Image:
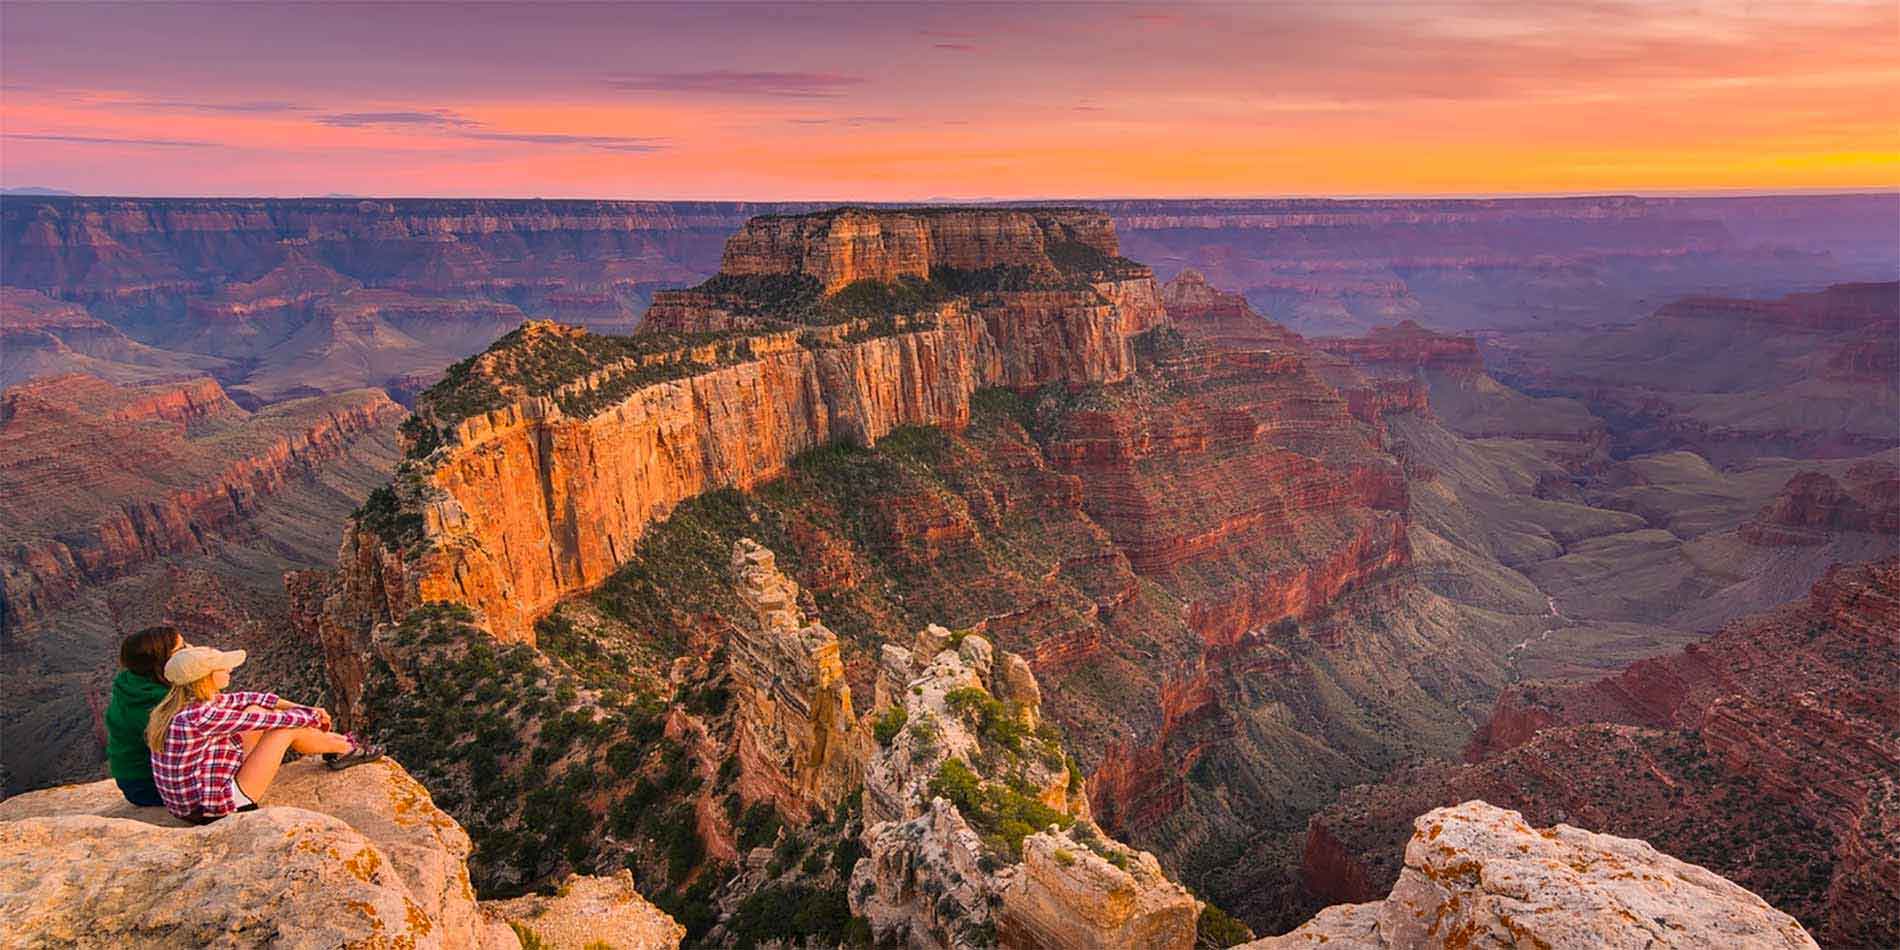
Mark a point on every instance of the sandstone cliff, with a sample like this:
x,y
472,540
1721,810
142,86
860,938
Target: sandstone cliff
x,y
1477,875
558,449
356,859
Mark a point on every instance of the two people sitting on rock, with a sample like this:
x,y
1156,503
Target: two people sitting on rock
x,y
211,753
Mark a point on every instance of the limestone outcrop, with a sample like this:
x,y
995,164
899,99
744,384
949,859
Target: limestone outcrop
x,y
976,829
351,859
587,912
1477,875
799,742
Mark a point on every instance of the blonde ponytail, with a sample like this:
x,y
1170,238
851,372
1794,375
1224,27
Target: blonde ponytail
x,y
176,701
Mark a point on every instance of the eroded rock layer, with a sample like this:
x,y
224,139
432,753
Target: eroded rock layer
x,y
1767,753
98,479
549,472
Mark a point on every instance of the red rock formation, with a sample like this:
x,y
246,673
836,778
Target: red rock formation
x,y
1813,506
1407,347
98,479
529,504
850,244
1769,753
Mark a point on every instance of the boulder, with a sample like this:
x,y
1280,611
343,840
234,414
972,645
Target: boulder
x,y
589,913
1478,876
361,858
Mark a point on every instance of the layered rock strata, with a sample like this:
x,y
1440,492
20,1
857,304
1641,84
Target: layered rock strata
x,y
545,491
1767,753
1478,875
97,479
799,742
357,859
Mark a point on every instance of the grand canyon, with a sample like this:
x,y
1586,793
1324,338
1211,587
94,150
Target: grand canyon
x,y
662,579
946,477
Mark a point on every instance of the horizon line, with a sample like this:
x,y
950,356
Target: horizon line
x,y
32,191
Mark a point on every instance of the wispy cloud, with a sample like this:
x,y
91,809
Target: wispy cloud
x,y
360,120
109,140
786,85
959,47
850,120
253,107
612,143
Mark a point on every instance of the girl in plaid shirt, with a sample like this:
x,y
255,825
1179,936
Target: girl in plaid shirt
x,y
214,753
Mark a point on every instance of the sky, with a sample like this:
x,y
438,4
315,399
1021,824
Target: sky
x,y
897,102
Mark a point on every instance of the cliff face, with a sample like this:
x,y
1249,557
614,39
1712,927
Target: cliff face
x,y
1732,379
529,502
1766,753
839,247
101,479
1813,506
799,742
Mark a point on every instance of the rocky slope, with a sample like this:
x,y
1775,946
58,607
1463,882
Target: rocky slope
x,y
122,506
1765,753
1478,875
353,859
99,479
976,829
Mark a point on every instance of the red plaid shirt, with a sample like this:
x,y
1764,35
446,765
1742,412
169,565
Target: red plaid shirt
x,y
202,750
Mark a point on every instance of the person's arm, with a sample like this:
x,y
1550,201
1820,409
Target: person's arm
x,y
242,699
220,719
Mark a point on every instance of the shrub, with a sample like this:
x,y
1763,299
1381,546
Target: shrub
x,y
758,826
890,724
1216,929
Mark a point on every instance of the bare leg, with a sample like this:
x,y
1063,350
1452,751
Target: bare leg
x,y
250,738
267,756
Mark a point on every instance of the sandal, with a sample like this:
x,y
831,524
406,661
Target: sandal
x,y
360,752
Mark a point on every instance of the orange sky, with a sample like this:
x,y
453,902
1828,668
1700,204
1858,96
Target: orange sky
x,y
911,102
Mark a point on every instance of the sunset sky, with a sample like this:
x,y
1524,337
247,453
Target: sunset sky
x,y
907,102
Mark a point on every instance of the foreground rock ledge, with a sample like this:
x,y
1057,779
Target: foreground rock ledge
x,y
353,859
1477,876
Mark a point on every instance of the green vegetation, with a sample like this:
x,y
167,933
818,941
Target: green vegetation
x,y
1217,929
796,913
759,826
995,721
890,724
1003,815
529,939
387,517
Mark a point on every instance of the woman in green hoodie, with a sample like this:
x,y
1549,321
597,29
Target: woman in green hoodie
x,y
138,687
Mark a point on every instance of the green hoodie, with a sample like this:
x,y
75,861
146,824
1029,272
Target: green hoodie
x,y
133,698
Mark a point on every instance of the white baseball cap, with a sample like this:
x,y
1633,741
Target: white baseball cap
x,y
195,663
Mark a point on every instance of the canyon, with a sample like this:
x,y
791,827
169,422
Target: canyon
x,y
1765,753
616,602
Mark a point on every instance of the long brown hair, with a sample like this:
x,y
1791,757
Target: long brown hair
x,y
146,651
182,697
